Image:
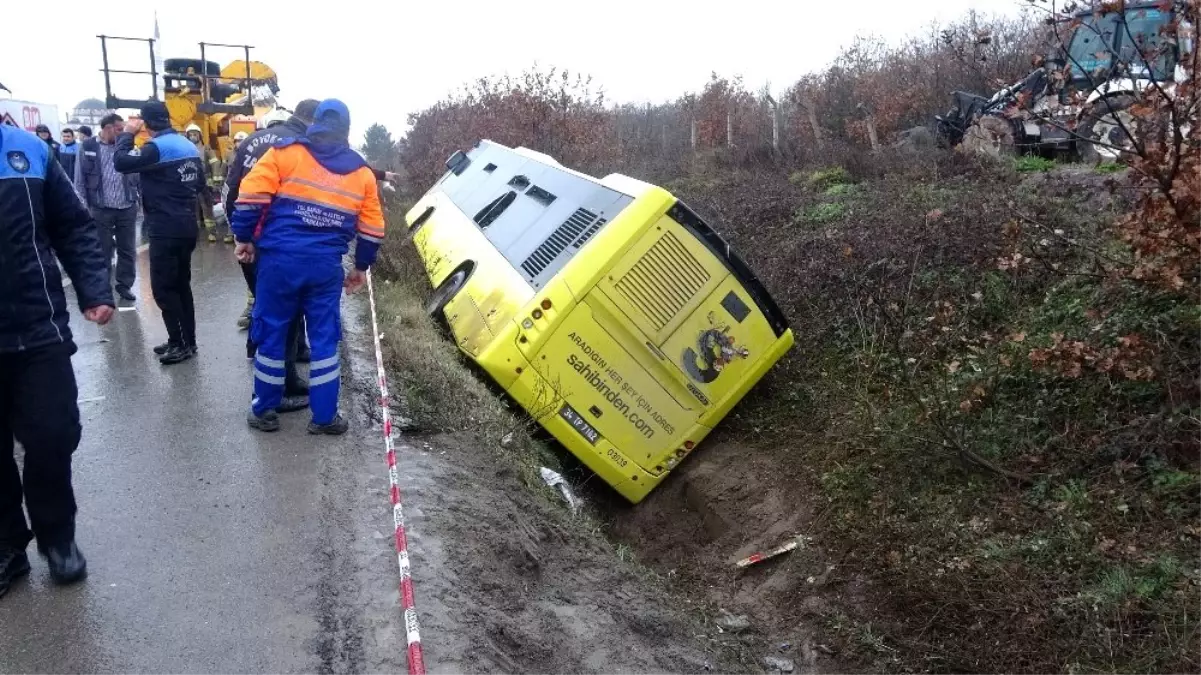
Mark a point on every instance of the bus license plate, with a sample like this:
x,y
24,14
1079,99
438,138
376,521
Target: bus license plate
x,y
579,424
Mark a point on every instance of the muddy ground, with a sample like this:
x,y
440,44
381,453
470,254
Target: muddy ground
x,y
729,502
508,580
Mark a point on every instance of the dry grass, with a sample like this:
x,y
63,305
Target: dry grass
x,y
439,389
1011,518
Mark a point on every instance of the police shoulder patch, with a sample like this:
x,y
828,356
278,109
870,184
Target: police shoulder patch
x,y
18,160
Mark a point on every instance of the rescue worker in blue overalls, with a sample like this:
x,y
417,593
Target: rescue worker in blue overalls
x,y
296,212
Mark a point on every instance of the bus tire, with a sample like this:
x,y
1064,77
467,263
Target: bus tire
x,y
435,307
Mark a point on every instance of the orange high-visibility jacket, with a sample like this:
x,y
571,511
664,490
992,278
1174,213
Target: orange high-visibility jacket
x,y
290,203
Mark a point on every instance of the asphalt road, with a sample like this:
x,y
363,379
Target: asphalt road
x,y
211,547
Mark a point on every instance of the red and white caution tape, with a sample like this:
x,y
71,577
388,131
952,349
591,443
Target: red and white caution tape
x,y
412,629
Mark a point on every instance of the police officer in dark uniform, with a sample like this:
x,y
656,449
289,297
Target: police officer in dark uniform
x,y
172,176
41,220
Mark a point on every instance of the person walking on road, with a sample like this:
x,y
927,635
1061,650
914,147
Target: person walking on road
x,y
41,220
247,154
171,177
112,198
67,152
296,213
43,132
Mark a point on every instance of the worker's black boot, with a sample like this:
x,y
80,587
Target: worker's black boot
x,y
294,384
66,562
14,564
176,354
292,404
335,428
163,348
268,422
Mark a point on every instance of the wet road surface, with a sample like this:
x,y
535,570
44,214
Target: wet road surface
x,y
211,547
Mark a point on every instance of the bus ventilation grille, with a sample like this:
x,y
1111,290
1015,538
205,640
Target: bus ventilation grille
x,y
573,232
664,281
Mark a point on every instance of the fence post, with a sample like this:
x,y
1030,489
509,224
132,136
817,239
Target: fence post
x,y
871,133
869,117
807,102
775,123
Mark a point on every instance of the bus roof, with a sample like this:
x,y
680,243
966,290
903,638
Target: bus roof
x,y
617,182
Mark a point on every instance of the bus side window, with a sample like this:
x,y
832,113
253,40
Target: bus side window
x,y
494,208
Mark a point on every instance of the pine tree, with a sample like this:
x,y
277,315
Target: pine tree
x,y
378,146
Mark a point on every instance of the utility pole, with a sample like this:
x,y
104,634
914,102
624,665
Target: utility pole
x,y
729,129
694,135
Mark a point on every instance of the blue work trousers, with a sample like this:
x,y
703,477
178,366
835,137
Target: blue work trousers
x,y
288,284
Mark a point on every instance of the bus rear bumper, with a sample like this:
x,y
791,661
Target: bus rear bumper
x,y
625,476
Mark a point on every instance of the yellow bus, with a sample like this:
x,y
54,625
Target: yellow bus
x,y
606,308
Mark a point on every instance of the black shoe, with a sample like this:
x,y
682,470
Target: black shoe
x,y
292,404
66,562
126,295
268,422
164,348
176,354
335,428
14,564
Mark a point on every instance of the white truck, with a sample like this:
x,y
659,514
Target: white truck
x,y
28,115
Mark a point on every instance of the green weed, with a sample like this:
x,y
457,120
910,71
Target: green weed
x,y
1073,494
1122,584
825,178
840,190
1032,164
822,213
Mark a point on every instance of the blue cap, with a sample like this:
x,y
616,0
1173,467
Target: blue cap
x,y
332,117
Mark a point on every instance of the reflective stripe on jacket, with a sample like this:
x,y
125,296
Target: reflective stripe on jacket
x,y
290,203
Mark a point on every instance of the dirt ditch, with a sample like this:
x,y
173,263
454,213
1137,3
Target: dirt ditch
x,y
725,504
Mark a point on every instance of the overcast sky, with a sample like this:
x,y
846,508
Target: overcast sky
x,y
386,59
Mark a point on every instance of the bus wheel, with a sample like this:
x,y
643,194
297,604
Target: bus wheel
x,y
444,293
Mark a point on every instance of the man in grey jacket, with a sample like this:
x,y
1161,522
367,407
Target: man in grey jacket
x,y
112,197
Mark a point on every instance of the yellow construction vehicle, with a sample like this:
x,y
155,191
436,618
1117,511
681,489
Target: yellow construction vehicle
x,y
221,101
